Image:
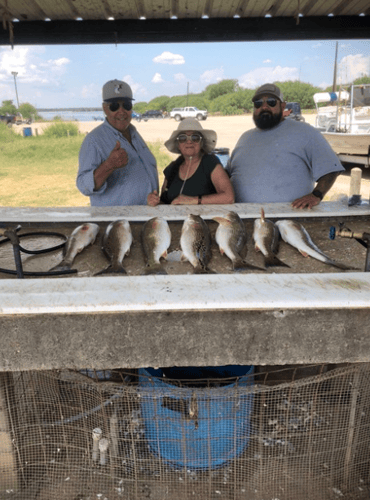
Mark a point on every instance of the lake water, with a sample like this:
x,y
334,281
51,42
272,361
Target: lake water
x,y
81,116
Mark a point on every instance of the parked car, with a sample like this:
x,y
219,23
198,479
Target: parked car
x,y
188,112
137,116
293,111
9,120
153,113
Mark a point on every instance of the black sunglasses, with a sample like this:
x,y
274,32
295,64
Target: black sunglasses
x,y
125,104
271,102
193,137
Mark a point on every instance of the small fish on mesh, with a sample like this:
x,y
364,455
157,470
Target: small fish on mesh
x,y
266,240
231,238
116,245
296,235
195,242
156,239
80,238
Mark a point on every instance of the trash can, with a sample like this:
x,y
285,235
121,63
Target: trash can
x,y
223,155
197,427
27,131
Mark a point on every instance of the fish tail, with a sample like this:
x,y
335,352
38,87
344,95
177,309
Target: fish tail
x,y
112,270
155,269
273,261
240,265
340,266
62,266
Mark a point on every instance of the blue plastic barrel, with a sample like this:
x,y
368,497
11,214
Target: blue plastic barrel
x,y
27,131
196,427
223,155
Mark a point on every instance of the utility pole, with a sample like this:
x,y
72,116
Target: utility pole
x,y
15,73
335,69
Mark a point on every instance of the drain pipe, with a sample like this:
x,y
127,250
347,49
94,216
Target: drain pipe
x,y
96,435
103,447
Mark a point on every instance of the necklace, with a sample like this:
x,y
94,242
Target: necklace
x,y
187,173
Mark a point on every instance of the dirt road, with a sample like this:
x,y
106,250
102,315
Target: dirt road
x,y
228,128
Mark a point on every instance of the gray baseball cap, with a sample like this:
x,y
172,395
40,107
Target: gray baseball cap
x,y
268,89
116,90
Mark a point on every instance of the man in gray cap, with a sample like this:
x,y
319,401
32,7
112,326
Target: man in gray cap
x,y
115,165
281,160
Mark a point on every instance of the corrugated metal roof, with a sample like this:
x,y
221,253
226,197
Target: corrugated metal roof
x,y
145,21
39,10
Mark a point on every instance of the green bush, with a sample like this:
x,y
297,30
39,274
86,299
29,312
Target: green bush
x,y
61,130
7,134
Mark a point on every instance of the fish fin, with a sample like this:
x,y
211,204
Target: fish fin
x,y
155,269
273,261
112,270
222,251
183,258
305,254
257,248
164,255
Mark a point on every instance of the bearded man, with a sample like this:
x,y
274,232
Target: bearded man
x,y
281,160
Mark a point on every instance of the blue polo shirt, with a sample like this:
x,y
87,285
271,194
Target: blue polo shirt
x,y
129,185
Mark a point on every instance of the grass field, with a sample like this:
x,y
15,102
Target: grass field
x,y
41,171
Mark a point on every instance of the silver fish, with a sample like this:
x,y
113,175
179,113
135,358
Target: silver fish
x,y
117,242
80,238
266,240
231,237
296,235
195,243
156,239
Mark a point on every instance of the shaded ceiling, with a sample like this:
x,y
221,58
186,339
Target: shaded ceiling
x,y
31,22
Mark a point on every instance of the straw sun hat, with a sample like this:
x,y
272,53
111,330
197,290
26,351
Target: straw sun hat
x,y
192,125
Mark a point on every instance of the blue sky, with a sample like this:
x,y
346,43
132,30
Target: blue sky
x,y
73,75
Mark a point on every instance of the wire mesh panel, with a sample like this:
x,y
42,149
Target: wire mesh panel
x,y
271,434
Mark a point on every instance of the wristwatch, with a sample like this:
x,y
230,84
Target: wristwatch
x,y
318,194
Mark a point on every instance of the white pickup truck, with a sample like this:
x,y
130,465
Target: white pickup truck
x,y
189,112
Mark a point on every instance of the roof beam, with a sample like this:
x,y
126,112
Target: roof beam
x,y
187,30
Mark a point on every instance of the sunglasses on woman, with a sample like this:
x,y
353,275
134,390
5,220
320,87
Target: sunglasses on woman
x,y
271,102
193,137
125,104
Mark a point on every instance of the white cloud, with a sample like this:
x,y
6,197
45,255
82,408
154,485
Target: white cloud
x,y
61,61
157,78
259,76
138,90
325,85
267,61
179,77
352,67
169,58
90,91
317,45
212,76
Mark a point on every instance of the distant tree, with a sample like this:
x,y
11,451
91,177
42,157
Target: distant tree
x,y
8,107
159,103
141,107
223,87
29,112
295,91
362,80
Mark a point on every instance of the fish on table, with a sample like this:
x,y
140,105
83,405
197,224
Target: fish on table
x,y
156,239
195,242
80,238
297,236
266,240
117,241
231,238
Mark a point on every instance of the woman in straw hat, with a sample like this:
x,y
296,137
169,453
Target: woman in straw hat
x,y
197,176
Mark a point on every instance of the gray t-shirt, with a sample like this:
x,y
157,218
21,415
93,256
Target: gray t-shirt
x,y
280,164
